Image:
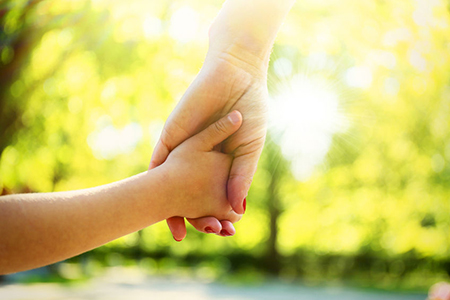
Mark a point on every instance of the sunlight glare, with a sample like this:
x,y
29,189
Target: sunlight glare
x,y
184,24
359,76
283,67
304,117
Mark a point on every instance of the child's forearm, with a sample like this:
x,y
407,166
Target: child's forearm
x,y
39,229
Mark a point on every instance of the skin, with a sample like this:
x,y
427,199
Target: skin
x,y
439,291
233,77
40,229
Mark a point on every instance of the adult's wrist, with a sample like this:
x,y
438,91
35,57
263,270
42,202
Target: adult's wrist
x,y
250,26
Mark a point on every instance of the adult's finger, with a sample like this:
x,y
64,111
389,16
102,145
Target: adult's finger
x,y
219,131
227,229
241,175
212,225
177,227
206,224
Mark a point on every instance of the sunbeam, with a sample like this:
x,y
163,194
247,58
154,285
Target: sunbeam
x,y
304,116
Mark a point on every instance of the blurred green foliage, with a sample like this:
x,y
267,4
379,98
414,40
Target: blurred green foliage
x,y
86,86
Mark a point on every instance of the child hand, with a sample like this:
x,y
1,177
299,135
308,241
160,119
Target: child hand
x,y
191,183
197,174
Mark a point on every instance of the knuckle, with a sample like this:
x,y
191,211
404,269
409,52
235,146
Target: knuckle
x,y
165,138
220,127
247,180
232,216
235,218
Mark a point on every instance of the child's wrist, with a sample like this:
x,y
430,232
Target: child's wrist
x,y
165,188
148,195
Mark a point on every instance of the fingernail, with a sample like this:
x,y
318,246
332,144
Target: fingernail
x,y
245,204
177,240
223,232
209,230
233,117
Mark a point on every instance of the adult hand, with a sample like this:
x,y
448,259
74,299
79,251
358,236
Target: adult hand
x,y
220,87
233,77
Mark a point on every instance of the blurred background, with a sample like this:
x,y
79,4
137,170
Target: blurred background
x,y
353,184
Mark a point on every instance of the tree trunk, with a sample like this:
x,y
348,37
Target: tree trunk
x,y
277,166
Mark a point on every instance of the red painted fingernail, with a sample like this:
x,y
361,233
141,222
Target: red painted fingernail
x,y
177,240
209,230
223,232
245,203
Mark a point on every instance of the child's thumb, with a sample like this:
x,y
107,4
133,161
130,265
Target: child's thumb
x,y
217,132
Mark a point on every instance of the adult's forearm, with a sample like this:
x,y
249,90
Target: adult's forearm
x,y
250,26
39,229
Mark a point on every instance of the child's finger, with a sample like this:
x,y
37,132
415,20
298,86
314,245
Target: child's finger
x,y
177,227
217,132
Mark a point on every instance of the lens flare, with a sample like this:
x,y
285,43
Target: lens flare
x,y
304,116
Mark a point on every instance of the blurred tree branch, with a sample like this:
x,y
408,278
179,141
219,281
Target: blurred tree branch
x,y
15,46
